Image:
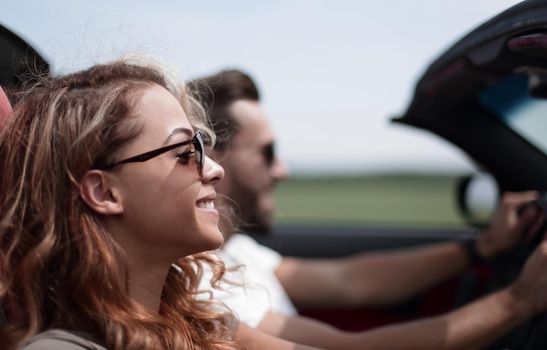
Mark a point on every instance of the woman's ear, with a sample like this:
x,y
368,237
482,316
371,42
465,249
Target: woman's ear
x,y
99,195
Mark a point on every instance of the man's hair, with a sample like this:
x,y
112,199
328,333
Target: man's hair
x,y
216,93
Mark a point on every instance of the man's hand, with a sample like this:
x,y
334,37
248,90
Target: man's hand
x,y
531,286
509,227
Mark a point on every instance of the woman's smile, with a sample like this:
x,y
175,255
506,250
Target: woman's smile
x,y
207,204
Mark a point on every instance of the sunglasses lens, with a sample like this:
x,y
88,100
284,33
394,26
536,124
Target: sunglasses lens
x,y
199,146
269,153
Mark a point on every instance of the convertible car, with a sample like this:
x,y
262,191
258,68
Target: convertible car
x,y
487,95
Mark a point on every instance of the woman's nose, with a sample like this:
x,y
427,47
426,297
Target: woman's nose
x,y
212,171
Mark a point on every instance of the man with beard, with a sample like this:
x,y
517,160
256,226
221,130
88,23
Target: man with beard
x,y
268,286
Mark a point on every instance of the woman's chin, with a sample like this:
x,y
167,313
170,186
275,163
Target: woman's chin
x,y
213,238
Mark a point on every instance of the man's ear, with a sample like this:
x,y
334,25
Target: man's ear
x,y
99,195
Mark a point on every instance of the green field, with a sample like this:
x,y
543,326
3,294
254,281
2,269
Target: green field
x,y
405,200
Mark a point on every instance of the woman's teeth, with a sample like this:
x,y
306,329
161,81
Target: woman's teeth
x,y
206,204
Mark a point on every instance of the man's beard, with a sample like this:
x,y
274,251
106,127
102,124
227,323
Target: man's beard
x,y
252,220
257,226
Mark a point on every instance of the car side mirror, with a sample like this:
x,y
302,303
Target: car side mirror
x,y
477,197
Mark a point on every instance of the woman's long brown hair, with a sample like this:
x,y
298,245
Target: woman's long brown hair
x,y
59,268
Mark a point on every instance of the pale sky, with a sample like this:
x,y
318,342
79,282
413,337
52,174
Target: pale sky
x,y
331,73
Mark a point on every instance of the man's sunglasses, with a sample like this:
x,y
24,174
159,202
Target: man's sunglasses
x,y
268,152
198,151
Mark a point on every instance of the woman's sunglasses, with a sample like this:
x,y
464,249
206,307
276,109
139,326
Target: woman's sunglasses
x,y
196,141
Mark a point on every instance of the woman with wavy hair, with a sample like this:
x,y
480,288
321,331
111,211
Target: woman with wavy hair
x,y
106,201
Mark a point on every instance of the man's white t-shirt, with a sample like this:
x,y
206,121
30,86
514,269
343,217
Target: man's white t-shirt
x,y
255,289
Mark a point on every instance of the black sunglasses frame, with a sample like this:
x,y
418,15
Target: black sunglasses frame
x,y
196,141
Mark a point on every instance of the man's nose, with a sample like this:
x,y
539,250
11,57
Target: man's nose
x,y
280,170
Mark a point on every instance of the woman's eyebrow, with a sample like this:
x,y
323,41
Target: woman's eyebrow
x,y
177,131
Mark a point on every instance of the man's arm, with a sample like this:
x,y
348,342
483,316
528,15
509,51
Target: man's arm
x,y
373,279
255,339
471,327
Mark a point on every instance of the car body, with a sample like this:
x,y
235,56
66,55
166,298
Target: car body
x,y
18,60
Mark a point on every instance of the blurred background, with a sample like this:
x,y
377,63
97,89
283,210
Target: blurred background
x,y
331,73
